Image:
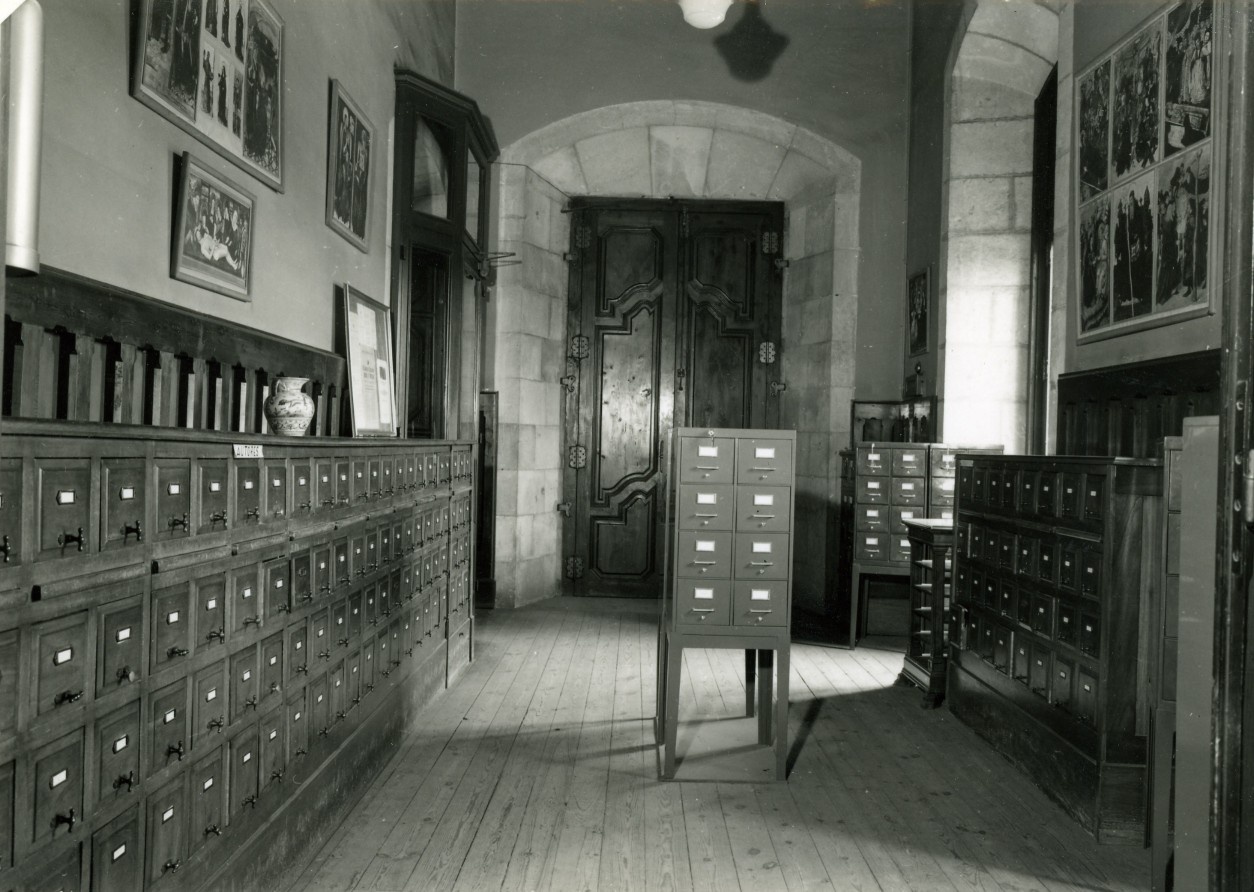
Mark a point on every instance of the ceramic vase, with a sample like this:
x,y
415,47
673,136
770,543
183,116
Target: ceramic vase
x,y
288,408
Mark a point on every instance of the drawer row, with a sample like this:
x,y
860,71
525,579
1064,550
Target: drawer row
x,y
1058,561
756,460
1061,621
725,506
1073,495
1058,678
878,459
59,507
111,645
723,602
718,554
134,746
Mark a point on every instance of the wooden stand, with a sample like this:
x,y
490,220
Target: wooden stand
x,y
931,544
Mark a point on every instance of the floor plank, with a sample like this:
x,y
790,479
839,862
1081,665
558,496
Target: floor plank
x,y
539,770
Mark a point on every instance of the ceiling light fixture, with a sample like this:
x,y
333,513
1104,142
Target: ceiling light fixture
x,y
704,13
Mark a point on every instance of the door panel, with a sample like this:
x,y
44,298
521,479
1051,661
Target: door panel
x,y
669,304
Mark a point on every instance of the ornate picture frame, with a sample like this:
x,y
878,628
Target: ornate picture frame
x,y
1146,227
212,244
367,332
350,147
918,312
215,69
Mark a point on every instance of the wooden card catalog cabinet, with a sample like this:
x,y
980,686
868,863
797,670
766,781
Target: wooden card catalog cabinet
x,y
729,566
192,642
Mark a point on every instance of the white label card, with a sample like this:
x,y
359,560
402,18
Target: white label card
x,y
63,656
276,482
703,545
908,458
248,484
211,695
759,499
707,452
122,635
872,540
274,734
248,757
121,743
207,784
247,593
761,547
169,716
872,484
707,498
65,497
127,493
873,512
296,717
59,778
215,486
760,594
907,515
118,852
248,673
247,450
872,456
171,618
274,660
166,815
211,604
907,487
764,452
703,594
173,489
947,484
302,481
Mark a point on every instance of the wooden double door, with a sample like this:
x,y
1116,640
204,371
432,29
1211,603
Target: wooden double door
x,y
673,319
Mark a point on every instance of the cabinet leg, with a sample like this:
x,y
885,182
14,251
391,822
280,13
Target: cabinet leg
x,y
674,660
750,680
765,689
781,714
659,692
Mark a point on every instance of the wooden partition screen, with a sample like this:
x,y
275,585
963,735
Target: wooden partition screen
x,y
80,350
1127,410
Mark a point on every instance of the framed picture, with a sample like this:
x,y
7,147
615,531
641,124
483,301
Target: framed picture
x,y
1145,225
350,140
918,302
215,68
368,349
213,231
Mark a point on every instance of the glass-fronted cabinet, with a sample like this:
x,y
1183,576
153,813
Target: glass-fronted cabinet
x,y
444,152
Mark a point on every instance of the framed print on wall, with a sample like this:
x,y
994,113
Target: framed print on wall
x,y
368,349
213,231
215,68
350,141
918,304
1145,226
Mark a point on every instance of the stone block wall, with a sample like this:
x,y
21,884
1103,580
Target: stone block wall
x,y
530,335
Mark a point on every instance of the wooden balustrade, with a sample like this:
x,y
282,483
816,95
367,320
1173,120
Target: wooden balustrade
x,y
79,350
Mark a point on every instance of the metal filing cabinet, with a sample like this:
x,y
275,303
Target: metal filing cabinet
x,y
729,568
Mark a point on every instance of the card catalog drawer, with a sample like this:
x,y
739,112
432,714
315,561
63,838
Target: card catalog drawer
x,y
874,461
11,511
765,509
764,461
167,830
213,497
898,515
167,726
871,546
117,753
208,787
116,863
872,518
171,624
64,504
58,783
874,490
706,460
908,491
760,603
909,461
761,556
700,602
704,554
59,649
208,703
705,507
123,502
119,645
942,491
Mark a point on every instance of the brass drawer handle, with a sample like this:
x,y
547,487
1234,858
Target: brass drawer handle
x,y
177,522
172,652
4,547
137,528
68,819
65,539
127,779
761,563
213,830
67,697
218,517
752,610
174,749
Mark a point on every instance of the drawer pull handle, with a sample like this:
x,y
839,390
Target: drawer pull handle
x,y
252,621
127,779
328,501
704,563
217,724
174,749
764,517
768,470
251,801
705,515
761,563
176,522
217,517
324,731
708,468
702,609
254,513
324,654
752,610
274,687
283,608
277,775
213,830
304,506
127,675
67,697
343,642
171,866
301,752
4,546
302,670
137,528
215,635
176,651
251,703
69,819
65,539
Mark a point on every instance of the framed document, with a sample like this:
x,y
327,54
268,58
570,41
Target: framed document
x,y
368,350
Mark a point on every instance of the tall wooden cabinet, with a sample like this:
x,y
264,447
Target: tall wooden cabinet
x,y
1055,578
210,642
729,568
927,647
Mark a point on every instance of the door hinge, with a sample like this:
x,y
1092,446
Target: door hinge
x,y
574,567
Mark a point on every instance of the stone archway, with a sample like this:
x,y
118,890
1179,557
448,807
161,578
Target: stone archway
x,y
998,67
658,150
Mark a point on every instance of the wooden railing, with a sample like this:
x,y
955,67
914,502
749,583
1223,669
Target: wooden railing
x,y
80,350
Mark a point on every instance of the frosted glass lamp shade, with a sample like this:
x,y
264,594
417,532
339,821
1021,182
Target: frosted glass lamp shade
x,y
704,13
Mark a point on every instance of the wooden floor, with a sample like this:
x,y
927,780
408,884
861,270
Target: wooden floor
x,y
538,771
